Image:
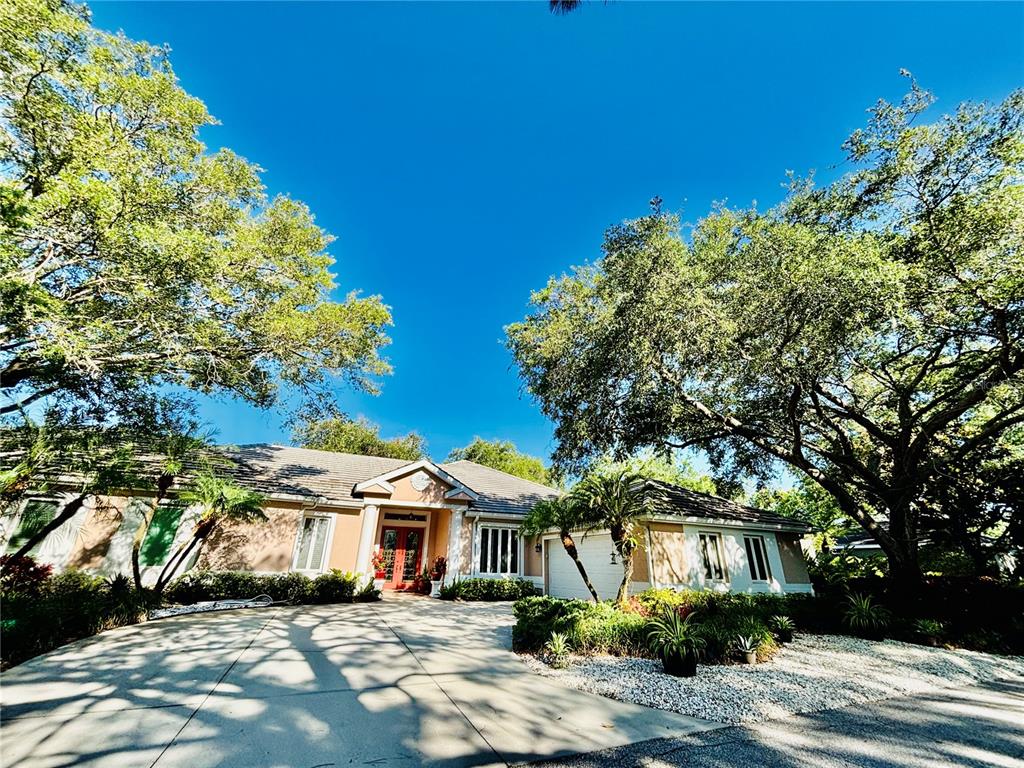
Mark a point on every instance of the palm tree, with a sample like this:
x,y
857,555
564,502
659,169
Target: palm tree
x,y
562,7
614,499
219,500
564,515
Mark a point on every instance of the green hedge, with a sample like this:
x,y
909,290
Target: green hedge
x,y
63,608
488,589
332,587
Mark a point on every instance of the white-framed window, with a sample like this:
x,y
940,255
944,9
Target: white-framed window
x,y
713,554
757,557
498,553
312,547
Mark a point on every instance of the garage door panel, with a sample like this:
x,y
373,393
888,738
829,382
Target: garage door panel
x,y
595,552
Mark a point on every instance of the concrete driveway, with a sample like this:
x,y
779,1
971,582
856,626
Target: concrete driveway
x,y
407,681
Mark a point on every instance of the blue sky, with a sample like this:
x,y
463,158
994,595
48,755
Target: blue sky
x,y
461,153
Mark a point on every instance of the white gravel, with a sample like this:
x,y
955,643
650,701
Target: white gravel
x,y
812,673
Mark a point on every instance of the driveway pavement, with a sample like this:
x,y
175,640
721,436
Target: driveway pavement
x,y
408,681
968,727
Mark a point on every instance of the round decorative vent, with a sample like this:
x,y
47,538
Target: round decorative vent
x,y
420,480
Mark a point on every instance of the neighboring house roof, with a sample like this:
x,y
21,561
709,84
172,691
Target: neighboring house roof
x,y
280,469
671,500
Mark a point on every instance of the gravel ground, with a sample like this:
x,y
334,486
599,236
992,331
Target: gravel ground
x,y
814,672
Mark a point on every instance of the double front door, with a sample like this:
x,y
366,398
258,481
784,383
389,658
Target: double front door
x,y
402,548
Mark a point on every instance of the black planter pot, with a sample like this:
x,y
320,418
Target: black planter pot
x,y
680,665
785,635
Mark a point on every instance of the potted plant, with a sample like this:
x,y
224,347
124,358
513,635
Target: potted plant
x,y
865,617
437,572
557,651
748,646
783,627
377,565
930,631
678,641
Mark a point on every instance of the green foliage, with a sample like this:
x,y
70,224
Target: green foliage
x,y
488,590
782,627
851,333
673,634
335,586
865,616
665,468
809,503
503,455
222,499
929,628
557,650
360,437
133,258
63,608
198,586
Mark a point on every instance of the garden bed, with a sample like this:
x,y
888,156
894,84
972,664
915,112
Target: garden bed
x,y
814,672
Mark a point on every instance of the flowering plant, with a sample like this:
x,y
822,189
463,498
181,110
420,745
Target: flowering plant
x,y
377,563
439,568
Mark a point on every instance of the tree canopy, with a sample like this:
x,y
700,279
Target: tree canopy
x,y
358,436
867,333
131,257
503,455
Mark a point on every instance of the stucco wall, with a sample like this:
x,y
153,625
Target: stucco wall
x,y
345,545
254,546
533,561
440,519
432,494
794,568
668,553
97,532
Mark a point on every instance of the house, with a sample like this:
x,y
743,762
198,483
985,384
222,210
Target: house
x,y
332,510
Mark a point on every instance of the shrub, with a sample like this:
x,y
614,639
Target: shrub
x,y
488,589
864,616
588,627
332,587
335,586
23,574
63,608
557,650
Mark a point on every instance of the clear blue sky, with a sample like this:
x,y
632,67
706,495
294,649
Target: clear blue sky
x,y
462,153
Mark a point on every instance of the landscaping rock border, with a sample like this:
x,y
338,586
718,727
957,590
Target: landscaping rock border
x,y
813,673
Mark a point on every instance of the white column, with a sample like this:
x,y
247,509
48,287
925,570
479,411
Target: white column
x,y
455,543
371,514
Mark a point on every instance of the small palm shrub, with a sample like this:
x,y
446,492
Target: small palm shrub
x,y
672,634
783,627
929,630
864,616
335,586
557,650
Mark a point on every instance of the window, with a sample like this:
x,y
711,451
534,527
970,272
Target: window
x,y
312,543
757,556
499,551
714,561
36,514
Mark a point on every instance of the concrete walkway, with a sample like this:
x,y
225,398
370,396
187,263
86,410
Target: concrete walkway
x,y
408,681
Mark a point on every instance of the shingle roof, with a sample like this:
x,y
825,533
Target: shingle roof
x,y
305,472
499,491
672,500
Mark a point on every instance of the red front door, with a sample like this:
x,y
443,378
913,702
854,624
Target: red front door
x,y
401,548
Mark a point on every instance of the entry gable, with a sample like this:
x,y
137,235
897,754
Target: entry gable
x,y
419,481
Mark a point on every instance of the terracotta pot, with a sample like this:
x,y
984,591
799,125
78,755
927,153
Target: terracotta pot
x,y
680,665
751,657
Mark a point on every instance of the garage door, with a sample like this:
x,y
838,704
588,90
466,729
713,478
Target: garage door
x,y
595,552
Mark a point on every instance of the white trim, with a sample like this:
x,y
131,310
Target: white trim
x,y
478,527
328,542
748,525
424,464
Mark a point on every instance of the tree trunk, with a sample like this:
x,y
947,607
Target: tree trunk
x,y
62,517
625,548
203,529
163,484
570,549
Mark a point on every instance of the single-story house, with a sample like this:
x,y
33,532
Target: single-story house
x,y
332,510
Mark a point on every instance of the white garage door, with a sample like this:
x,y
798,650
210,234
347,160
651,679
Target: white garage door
x,y
595,553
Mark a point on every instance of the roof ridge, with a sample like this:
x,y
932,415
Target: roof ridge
x,y
321,450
